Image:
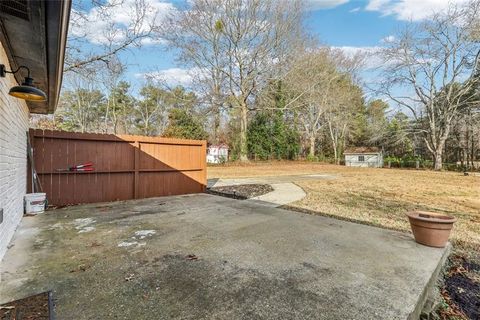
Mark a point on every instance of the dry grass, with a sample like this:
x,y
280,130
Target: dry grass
x,y
258,169
379,196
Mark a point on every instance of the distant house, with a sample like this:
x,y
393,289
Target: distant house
x,y
364,157
217,153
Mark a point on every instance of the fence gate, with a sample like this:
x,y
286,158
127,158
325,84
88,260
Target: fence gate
x,y
125,167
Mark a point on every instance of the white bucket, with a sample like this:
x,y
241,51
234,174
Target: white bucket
x,y
35,203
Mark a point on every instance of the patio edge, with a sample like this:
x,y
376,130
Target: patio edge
x,y
431,284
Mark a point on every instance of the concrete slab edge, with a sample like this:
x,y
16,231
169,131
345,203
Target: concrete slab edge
x,y
432,282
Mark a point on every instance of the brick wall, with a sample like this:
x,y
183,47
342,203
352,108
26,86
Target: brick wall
x,y
13,157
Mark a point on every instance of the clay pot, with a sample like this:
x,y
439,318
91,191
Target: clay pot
x,y
430,228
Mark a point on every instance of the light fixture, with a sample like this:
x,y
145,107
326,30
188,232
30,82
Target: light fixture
x,y
27,90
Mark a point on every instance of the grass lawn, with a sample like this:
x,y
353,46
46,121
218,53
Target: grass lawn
x,y
378,196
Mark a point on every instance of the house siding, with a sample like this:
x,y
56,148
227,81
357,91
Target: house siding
x,y
217,154
14,116
370,160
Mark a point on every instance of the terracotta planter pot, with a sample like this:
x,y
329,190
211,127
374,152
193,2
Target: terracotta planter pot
x,y
430,228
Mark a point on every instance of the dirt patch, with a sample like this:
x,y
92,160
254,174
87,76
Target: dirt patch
x,y
461,287
241,192
36,307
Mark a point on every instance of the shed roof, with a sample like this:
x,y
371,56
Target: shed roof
x,y
34,34
219,146
362,150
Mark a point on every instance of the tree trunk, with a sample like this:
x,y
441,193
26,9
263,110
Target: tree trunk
x,y
106,118
217,106
243,133
335,154
312,146
438,160
472,151
216,126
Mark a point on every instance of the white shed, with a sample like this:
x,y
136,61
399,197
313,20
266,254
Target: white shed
x,y
370,157
217,153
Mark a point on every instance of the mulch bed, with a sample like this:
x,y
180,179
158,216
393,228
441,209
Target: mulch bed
x,y
36,307
461,289
242,191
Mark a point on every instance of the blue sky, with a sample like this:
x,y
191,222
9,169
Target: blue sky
x,y
349,24
340,26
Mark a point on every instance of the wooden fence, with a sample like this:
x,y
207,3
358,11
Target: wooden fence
x,y
125,167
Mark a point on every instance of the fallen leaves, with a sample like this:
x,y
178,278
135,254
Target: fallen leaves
x,y
191,257
451,311
461,287
80,268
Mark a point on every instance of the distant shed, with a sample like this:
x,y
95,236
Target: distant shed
x,y
370,157
217,153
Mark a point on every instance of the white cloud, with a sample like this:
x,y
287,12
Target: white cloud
x,y
109,23
173,76
388,39
355,9
410,9
325,4
371,55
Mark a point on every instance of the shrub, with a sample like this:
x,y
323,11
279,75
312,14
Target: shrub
x,y
184,126
270,137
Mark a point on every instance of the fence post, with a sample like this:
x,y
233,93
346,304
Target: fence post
x,y
417,164
136,145
204,166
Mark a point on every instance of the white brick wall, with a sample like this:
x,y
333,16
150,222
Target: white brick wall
x,y
13,156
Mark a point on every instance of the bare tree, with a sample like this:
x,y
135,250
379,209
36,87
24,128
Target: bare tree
x,y
310,80
110,79
465,132
80,107
315,81
152,109
237,46
433,61
101,30
340,115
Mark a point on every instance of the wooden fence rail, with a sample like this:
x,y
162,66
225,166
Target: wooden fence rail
x,y
125,167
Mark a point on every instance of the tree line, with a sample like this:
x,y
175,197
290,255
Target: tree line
x,y
265,86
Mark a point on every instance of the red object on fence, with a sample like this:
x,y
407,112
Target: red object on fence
x,y
82,169
88,164
79,168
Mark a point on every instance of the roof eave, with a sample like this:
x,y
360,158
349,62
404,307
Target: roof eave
x,y
38,43
352,153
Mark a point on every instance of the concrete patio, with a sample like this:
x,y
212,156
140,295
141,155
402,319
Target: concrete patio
x,y
129,260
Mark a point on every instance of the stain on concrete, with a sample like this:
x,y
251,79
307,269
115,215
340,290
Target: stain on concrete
x,y
84,225
142,234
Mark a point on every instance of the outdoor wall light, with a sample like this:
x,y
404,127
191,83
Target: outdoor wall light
x,y
27,90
